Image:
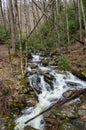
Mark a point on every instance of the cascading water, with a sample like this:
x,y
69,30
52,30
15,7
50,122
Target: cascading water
x,y
51,91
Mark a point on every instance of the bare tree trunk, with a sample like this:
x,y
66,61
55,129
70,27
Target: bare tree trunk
x,y
84,18
67,23
18,28
80,19
11,18
37,11
57,21
26,28
76,11
16,14
33,13
44,9
3,15
20,40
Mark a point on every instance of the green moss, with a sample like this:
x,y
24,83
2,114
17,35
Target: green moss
x,y
9,123
66,126
84,72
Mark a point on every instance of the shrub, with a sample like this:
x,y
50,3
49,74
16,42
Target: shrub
x,y
63,62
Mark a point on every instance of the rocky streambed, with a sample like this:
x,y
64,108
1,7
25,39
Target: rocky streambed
x,y
51,84
48,82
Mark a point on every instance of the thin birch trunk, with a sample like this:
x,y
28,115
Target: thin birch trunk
x,y
80,19
11,18
20,40
3,15
84,18
26,31
67,23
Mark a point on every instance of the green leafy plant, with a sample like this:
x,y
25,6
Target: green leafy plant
x,y
63,63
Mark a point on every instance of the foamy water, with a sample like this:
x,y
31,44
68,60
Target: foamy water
x,y
49,93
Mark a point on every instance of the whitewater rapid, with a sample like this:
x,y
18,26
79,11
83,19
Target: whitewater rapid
x,y
50,94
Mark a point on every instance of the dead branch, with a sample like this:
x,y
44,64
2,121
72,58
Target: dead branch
x,y
60,102
38,21
34,27
78,40
39,8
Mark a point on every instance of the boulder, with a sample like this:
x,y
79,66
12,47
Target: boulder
x,y
49,78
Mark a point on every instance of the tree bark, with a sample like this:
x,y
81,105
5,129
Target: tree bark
x,y
3,15
80,19
11,18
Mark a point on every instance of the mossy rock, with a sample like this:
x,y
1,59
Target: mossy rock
x,y
69,113
67,126
84,72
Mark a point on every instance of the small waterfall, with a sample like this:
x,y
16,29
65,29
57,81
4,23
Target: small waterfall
x,y
52,84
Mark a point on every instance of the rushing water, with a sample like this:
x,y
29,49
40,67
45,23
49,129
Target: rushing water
x,y
50,92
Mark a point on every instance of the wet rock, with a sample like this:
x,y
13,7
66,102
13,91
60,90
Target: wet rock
x,y
31,101
67,94
51,63
29,55
49,76
33,72
67,126
45,61
34,66
79,74
48,81
72,84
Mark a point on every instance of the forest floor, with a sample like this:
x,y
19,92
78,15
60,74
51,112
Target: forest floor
x,y
77,59
10,82
5,72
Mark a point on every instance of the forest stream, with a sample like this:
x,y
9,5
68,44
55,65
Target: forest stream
x,y
49,85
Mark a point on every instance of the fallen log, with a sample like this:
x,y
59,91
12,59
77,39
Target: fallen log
x,y
76,93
